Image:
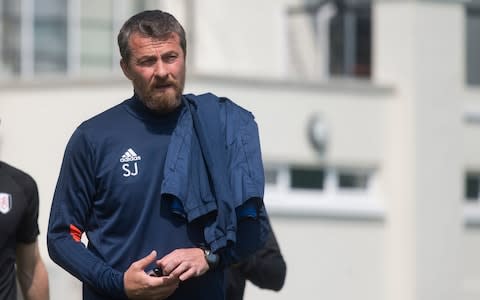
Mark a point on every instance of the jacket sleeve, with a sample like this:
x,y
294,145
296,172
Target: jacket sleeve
x,y
229,140
69,215
266,268
247,181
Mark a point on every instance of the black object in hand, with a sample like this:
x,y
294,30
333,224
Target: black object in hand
x,y
156,272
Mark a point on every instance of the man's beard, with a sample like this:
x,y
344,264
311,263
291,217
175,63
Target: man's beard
x,y
166,101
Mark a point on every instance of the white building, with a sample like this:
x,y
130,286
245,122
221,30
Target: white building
x,y
369,116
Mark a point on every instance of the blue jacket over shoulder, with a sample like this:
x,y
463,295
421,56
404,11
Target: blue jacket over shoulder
x,y
227,180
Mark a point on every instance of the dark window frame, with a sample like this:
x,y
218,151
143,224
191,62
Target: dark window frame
x,y
472,46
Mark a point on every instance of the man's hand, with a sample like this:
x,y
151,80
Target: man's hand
x,y
184,263
139,285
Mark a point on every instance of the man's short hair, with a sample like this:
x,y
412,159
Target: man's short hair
x,y
150,23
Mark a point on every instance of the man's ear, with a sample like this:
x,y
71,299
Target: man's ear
x,y
125,69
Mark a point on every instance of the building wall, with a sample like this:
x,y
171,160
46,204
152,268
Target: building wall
x,y
329,259
408,123
38,121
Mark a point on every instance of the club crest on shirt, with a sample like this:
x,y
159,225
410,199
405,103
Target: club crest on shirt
x,y
5,203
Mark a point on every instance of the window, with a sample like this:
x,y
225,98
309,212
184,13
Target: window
x,y
336,191
353,179
330,38
62,36
350,41
10,37
50,36
306,178
96,36
271,176
472,187
471,194
473,44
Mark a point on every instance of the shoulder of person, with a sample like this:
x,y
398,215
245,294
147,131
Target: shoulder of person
x,y
210,101
18,175
104,117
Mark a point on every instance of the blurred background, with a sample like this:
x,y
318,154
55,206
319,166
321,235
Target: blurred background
x,y
369,117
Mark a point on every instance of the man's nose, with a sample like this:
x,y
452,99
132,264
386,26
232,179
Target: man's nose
x,y
160,70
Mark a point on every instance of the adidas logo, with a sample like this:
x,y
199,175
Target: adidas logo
x,y
130,155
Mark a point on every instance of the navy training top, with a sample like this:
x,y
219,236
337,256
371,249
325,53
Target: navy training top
x,y
109,188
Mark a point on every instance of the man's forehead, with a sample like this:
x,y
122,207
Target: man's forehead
x,y
141,44
138,38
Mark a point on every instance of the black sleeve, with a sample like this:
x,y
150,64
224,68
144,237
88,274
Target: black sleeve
x,y
28,228
266,268
235,283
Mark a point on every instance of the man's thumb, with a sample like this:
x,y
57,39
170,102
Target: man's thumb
x,y
144,262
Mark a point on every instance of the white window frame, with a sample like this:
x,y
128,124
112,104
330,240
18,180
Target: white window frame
x,y
322,58
471,209
74,34
27,36
468,64
26,68
331,201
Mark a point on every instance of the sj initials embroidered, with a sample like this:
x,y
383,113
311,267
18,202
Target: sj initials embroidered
x,y
130,166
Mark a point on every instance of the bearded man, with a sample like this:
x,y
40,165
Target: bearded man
x,y
167,188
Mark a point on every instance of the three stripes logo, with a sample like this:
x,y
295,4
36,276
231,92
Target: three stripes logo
x,y
129,156
129,163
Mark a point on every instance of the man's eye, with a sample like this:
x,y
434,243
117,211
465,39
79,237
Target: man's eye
x,y
170,58
146,62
